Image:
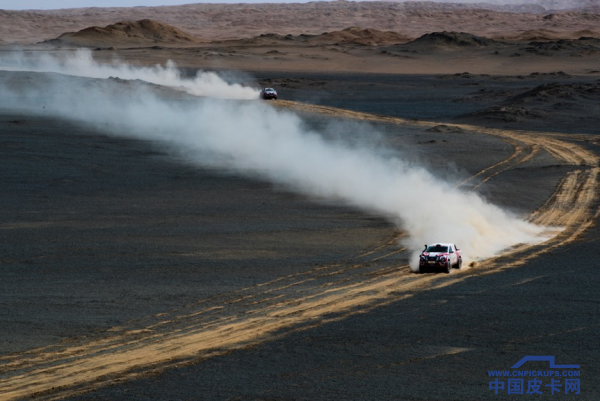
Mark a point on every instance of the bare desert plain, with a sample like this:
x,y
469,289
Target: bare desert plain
x,y
165,234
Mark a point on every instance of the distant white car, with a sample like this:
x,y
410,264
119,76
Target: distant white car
x,y
440,256
268,93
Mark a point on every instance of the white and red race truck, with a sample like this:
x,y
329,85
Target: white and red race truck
x,y
440,256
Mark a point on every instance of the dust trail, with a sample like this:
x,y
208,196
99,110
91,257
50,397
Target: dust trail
x,y
256,139
81,63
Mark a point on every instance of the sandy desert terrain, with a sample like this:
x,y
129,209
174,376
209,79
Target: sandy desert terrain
x,y
150,248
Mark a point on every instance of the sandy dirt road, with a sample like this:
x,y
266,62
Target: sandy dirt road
x,y
371,278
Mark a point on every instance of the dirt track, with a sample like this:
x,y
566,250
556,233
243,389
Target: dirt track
x,y
300,301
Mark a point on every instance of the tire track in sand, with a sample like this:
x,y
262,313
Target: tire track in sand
x,y
567,213
327,293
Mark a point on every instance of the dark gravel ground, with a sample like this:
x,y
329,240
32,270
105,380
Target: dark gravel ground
x,y
549,101
97,231
437,345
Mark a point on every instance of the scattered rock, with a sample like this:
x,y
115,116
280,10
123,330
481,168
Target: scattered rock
x,y
573,47
550,74
432,141
444,128
452,39
509,114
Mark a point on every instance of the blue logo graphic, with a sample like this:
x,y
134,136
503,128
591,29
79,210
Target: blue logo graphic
x,y
543,358
534,384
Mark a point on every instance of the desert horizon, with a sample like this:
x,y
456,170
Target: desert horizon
x,y
168,232
382,37
245,20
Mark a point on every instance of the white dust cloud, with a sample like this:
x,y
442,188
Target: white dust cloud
x,y
253,138
81,63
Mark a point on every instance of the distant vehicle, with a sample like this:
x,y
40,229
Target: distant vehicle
x,y
440,256
268,93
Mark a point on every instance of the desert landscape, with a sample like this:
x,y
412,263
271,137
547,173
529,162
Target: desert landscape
x,y
168,234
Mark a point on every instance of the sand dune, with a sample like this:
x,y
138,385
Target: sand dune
x,y
350,35
131,33
574,48
357,35
228,21
547,35
452,39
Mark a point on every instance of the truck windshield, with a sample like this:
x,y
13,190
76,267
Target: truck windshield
x,y
437,248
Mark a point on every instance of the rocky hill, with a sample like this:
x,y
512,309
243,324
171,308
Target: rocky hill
x,y
129,33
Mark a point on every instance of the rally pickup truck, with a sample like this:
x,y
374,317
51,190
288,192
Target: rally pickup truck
x,y
440,256
268,93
